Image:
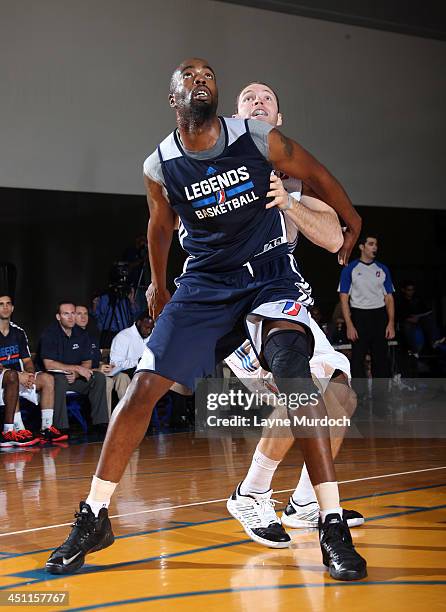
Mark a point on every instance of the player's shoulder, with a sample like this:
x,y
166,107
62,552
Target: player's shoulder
x,y
167,149
234,122
235,128
253,126
153,167
260,128
151,163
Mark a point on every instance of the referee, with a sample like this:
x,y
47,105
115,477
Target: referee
x,y
366,294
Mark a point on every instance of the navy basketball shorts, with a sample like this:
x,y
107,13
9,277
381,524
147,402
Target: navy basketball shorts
x,y
206,308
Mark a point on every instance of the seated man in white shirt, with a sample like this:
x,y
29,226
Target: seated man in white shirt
x,y
128,346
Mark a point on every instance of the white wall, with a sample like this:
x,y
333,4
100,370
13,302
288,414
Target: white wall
x,y
84,92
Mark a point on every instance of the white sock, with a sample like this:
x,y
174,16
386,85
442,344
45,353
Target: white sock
x,y
328,497
100,494
325,513
304,493
18,423
260,474
47,417
8,427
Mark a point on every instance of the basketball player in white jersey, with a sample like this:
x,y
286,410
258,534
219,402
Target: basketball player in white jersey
x,y
251,502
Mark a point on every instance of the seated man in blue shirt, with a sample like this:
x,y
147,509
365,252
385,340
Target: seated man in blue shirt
x,y
65,350
119,381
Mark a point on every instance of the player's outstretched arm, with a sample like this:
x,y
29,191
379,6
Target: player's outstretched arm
x,y
159,238
313,218
288,156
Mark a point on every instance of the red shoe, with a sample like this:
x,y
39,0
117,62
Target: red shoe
x,y
7,438
24,437
52,434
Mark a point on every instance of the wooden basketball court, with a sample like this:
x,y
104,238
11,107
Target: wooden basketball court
x,y
178,549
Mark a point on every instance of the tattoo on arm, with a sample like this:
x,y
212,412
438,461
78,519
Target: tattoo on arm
x,y
287,145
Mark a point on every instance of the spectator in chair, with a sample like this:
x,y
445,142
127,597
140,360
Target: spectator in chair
x,y
120,381
128,346
416,320
18,378
65,350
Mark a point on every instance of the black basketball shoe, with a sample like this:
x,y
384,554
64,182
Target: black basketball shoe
x,y
89,534
338,553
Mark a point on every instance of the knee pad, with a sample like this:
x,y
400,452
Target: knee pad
x,y
286,354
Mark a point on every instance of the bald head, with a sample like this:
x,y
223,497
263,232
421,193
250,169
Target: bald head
x,y
185,65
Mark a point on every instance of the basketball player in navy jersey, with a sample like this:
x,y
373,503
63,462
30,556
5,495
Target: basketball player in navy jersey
x,y
214,173
251,501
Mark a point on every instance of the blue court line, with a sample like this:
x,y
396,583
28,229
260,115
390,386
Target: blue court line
x,y
278,587
435,486
40,575
161,529
130,535
393,514
410,507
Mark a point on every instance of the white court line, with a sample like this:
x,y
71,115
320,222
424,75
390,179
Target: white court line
x,y
375,477
216,501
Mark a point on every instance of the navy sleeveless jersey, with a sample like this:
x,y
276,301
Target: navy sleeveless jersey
x,y
221,202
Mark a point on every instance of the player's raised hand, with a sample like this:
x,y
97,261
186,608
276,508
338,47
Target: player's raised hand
x,y
156,300
278,192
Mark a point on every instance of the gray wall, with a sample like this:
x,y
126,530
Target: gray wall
x,y
84,86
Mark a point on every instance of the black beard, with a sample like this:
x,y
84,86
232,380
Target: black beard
x,y
196,114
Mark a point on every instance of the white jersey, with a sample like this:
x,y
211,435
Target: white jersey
x,y
294,188
245,365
